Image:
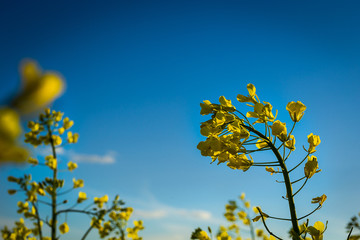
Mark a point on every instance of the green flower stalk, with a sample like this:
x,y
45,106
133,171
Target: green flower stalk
x,y
232,139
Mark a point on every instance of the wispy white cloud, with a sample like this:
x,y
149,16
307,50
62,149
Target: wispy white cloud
x,y
173,212
108,158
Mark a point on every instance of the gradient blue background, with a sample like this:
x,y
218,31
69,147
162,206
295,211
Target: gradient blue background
x,y
136,72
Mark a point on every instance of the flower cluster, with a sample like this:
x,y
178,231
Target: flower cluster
x,y
232,139
111,220
239,218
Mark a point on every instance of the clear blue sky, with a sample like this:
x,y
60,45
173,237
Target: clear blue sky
x,y
136,72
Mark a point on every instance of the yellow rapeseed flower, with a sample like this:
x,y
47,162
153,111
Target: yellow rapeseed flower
x,y
64,228
279,130
319,200
71,166
311,166
316,231
313,140
100,201
78,183
240,162
51,162
82,197
296,110
39,89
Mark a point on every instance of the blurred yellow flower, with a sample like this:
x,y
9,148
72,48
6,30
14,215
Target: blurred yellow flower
x,y
100,201
39,89
71,166
82,197
10,127
51,162
78,183
64,228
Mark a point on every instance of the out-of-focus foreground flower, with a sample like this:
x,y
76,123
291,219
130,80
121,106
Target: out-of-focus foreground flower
x,y
38,90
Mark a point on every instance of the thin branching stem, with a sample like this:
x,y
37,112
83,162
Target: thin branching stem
x,y
318,207
299,163
288,186
301,187
267,229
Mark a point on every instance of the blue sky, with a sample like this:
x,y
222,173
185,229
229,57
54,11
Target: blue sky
x,y
136,72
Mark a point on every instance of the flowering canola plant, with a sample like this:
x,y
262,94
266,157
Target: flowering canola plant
x,y
110,219
232,139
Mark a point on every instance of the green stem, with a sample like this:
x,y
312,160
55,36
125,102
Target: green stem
x,y
288,186
53,196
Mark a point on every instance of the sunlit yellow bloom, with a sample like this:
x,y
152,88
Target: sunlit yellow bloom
x,y
279,130
230,216
96,223
61,130
296,110
203,235
240,162
247,204
261,144
78,183
39,89
72,138
319,200
71,166
259,232
316,231
311,166
223,236
51,162
242,196
271,170
242,214
224,102
262,112
132,233
255,210
100,201
138,225
64,228
56,140
67,123
313,141
82,197
290,144
206,107
251,97
126,214
23,207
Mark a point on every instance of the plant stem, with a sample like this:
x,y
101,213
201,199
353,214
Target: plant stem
x,y
288,186
53,196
